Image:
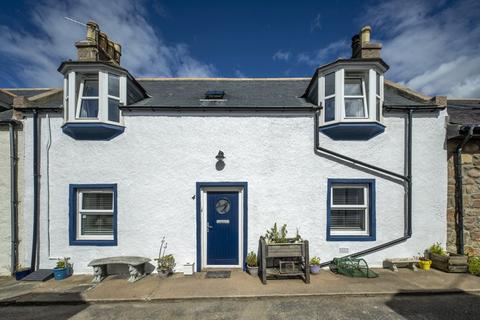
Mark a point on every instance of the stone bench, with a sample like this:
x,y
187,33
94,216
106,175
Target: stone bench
x,y
136,267
395,263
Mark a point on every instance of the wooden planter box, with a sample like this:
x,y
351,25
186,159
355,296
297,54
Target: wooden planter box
x,y
451,263
284,260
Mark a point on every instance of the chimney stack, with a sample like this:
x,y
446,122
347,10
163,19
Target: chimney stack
x,y
97,46
362,48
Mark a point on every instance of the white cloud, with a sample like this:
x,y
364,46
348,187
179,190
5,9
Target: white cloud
x,y
144,52
324,55
432,47
281,55
316,24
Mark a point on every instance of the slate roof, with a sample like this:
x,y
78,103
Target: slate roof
x,y
6,115
464,112
238,92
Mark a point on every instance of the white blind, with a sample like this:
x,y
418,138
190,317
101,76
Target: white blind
x,y
348,196
348,219
97,201
97,224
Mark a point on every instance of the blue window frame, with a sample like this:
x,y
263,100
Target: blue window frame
x,y
351,210
93,214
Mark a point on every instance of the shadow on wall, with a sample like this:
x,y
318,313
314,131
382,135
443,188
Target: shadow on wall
x,y
460,305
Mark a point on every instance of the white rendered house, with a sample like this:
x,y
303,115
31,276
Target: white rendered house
x,y
355,162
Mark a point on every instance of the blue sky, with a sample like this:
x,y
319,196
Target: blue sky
x,y
431,46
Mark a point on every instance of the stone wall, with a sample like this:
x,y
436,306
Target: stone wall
x,y
471,198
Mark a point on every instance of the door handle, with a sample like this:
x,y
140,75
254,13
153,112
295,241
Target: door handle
x,y
209,226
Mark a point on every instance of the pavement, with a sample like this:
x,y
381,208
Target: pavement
x,y
79,289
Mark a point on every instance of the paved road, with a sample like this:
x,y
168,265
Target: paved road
x,y
453,306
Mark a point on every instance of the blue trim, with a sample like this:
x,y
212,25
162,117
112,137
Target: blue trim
x,y
199,187
352,130
92,130
72,216
372,209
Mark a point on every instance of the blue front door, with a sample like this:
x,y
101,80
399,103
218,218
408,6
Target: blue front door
x,y
222,228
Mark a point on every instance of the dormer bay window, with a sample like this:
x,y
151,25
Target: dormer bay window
x,y
351,96
92,100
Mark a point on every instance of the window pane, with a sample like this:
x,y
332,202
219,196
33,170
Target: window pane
x,y
330,109
353,87
348,219
89,108
92,224
90,88
97,201
378,83
113,111
379,109
329,84
113,85
354,108
348,196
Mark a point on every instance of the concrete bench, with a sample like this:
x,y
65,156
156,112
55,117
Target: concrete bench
x,y
136,267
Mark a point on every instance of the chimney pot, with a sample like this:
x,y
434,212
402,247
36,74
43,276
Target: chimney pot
x,y
92,29
365,34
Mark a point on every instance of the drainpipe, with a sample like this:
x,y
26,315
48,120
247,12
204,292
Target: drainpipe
x,y
407,179
13,193
36,175
459,188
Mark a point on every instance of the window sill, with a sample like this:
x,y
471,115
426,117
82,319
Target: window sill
x,y
92,130
99,243
360,130
350,238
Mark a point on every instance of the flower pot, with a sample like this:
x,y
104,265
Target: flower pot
x,y
253,271
314,268
20,274
425,264
164,273
61,273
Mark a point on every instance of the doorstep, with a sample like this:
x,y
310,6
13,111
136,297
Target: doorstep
x,y
79,289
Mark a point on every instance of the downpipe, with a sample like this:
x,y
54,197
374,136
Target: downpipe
x,y
407,179
36,175
459,189
13,197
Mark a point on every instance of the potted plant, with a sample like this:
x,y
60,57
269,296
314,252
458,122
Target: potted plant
x,y
63,269
252,264
474,265
424,263
448,262
22,272
315,265
166,263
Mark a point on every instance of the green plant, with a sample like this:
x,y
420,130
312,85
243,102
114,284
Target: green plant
x,y
275,236
437,248
474,265
166,262
315,261
63,263
252,259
